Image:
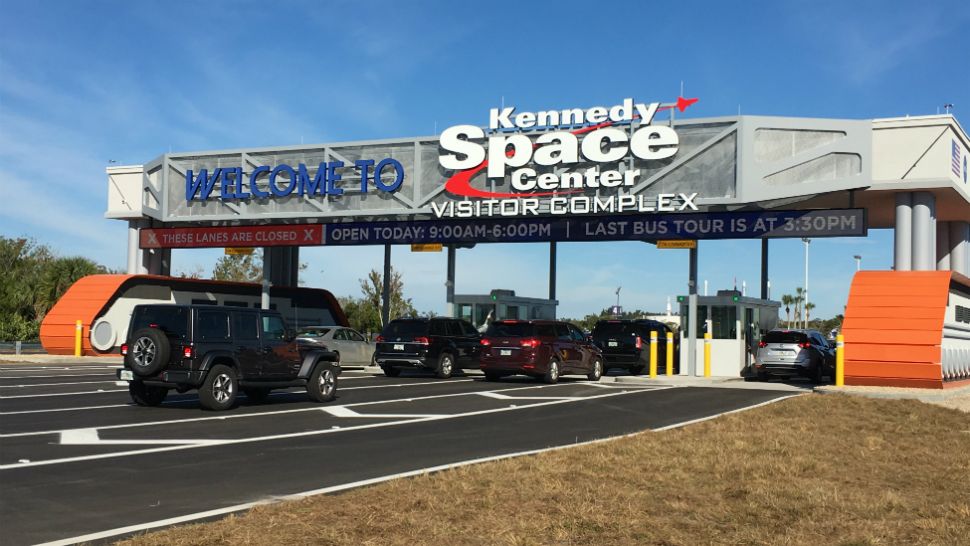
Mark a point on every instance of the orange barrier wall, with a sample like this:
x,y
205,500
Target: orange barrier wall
x,y
88,298
893,328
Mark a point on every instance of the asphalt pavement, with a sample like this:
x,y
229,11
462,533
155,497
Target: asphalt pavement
x,y
78,461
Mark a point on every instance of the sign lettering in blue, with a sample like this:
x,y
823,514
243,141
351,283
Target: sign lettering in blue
x,y
647,227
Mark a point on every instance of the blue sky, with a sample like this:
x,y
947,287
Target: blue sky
x,y
82,83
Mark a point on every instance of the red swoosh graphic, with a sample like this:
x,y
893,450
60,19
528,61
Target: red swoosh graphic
x,y
461,183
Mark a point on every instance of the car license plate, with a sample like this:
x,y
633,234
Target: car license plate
x,y
613,344
126,375
505,352
398,346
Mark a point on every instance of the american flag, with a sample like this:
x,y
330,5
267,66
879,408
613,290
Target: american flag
x,y
955,160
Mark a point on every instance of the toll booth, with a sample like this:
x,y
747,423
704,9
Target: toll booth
x,y
735,322
504,305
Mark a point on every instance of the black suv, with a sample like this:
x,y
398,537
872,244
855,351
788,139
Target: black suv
x,y
438,344
219,351
626,344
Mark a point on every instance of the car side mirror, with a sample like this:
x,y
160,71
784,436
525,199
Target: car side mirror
x,y
290,334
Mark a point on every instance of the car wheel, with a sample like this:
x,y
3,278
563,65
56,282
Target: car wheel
x,y
256,395
597,372
218,391
636,370
148,352
493,376
322,385
145,395
446,366
391,371
818,373
552,373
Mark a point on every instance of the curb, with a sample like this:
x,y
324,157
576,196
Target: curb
x,y
896,393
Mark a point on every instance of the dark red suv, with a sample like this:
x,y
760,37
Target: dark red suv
x,y
540,348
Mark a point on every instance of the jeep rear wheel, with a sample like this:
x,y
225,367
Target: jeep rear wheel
x,y
446,366
218,391
391,371
148,352
145,395
322,384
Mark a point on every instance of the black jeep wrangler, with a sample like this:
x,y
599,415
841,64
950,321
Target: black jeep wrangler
x,y
219,351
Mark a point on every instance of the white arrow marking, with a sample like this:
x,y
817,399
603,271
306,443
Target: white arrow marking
x,y
344,411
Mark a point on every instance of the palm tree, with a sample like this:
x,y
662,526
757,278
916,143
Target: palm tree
x,y
808,310
799,300
787,300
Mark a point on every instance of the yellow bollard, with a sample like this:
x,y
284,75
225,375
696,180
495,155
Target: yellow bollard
x,y
77,338
670,353
653,354
707,354
839,360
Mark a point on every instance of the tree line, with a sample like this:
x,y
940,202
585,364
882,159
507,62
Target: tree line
x,y
33,279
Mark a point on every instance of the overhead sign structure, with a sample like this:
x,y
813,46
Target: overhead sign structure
x,y
677,244
239,251
646,227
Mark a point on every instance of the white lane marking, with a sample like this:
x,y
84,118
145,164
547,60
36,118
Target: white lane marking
x,y
302,434
44,368
56,384
322,491
99,391
716,415
499,396
89,436
344,411
50,376
255,414
281,393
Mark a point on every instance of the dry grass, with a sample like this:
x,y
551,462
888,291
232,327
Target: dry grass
x,y
810,470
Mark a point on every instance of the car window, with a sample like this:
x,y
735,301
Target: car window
x,y
170,319
562,332
576,333
245,326
545,330
273,327
405,328
437,328
454,329
213,325
510,329
353,335
467,328
785,336
612,329
314,332
340,335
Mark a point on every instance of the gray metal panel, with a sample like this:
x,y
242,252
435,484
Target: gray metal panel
x,y
725,160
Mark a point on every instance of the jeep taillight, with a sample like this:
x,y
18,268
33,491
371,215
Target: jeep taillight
x,y
187,352
379,339
422,340
639,342
124,349
486,343
530,343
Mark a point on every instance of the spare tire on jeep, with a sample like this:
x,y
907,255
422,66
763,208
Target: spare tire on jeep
x,y
148,352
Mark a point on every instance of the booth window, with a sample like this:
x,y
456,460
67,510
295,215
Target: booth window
x,y
724,321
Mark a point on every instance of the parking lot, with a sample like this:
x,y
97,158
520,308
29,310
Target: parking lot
x,y
79,460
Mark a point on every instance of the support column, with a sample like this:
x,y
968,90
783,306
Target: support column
x,y
903,234
134,251
386,292
764,269
943,246
924,231
552,271
284,265
450,283
166,262
692,314
960,247
267,268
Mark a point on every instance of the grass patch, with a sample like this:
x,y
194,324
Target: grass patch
x,y
809,470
